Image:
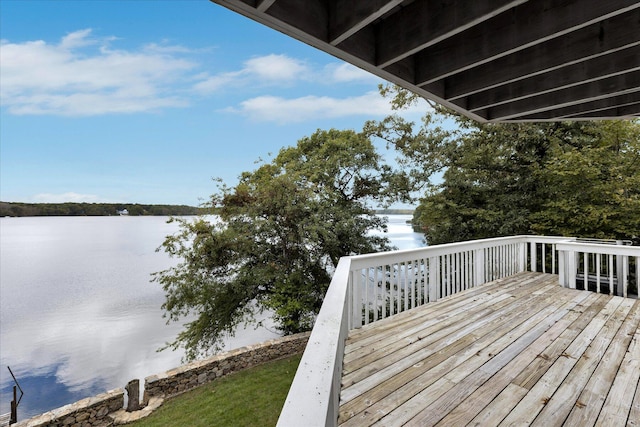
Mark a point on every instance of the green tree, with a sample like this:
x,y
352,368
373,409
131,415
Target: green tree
x,y
593,184
276,240
570,178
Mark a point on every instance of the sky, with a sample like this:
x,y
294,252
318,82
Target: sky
x,y
143,101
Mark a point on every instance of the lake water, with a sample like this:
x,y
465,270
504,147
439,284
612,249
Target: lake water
x,y
78,313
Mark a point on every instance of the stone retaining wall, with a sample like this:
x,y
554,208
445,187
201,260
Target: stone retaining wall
x,y
192,375
106,409
89,412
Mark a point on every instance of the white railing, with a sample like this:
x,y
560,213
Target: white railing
x,y
367,288
600,267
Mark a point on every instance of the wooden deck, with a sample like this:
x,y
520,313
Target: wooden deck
x,y
518,351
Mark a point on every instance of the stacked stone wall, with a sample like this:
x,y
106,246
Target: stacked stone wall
x,y
107,409
194,374
89,412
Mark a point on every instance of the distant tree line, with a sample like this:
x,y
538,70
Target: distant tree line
x,y
94,209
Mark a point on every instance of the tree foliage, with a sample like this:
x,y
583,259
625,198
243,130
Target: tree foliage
x,y
561,178
276,240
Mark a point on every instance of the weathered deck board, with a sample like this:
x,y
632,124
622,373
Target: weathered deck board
x,y
525,351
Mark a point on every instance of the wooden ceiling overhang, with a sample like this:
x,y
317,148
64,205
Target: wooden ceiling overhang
x,y
491,60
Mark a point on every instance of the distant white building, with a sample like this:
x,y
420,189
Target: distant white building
x,y
123,212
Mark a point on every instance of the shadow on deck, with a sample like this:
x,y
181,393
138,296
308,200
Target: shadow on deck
x,y
517,351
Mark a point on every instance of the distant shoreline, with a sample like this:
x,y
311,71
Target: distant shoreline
x,y
19,209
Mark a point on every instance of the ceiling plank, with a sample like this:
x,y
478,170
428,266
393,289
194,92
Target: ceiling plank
x,y
348,16
602,38
424,23
309,16
601,89
527,25
598,68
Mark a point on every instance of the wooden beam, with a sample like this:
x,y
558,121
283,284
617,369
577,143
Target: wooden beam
x,y
615,102
601,89
602,67
348,16
263,5
424,23
627,111
527,25
598,39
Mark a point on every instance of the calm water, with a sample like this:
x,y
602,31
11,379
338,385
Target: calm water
x,y
78,314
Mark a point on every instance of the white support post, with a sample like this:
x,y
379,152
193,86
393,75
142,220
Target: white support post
x,y
522,259
562,268
622,287
620,264
572,266
534,254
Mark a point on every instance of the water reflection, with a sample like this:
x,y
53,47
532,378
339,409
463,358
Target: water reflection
x,y
78,315
401,233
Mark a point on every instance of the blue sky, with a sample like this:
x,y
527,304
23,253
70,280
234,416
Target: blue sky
x,y
147,101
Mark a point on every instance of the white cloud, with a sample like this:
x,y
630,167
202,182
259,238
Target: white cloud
x,y
347,73
282,70
68,197
83,76
276,68
281,110
262,70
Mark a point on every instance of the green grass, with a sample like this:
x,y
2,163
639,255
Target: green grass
x,y
253,397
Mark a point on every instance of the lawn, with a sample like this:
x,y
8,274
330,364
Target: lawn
x,y
253,397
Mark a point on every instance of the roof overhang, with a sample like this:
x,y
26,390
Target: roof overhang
x,y
491,60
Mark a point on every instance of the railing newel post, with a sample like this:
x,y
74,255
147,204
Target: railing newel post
x,y
573,261
562,268
522,260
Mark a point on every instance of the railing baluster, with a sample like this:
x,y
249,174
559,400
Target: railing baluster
x,y
398,288
638,277
466,269
452,273
586,271
365,289
598,272
412,302
610,274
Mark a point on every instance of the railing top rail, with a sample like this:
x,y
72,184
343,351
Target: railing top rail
x,y
379,258
313,396
604,241
601,248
